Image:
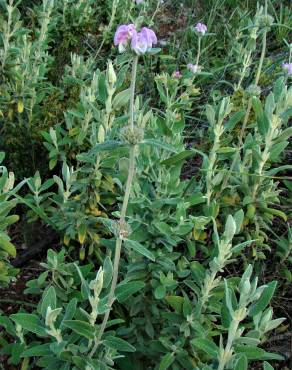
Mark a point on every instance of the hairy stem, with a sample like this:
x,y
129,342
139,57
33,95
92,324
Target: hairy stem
x,y
199,51
122,220
132,88
248,110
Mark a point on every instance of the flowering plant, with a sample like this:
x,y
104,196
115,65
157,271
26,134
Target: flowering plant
x,y
200,29
140,42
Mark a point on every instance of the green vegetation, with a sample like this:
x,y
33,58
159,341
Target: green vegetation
x,y
154,139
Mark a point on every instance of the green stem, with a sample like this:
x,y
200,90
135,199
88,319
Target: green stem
x,y
122,220
155,12
248,110
109,27
199,51
132,89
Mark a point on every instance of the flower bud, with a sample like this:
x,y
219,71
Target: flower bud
x,y
112,77
253,90
265,20
131,135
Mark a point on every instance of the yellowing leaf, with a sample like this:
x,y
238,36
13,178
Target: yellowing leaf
x,y
20,106
176,302
66,240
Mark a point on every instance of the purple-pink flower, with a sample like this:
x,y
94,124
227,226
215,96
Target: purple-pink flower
x,y
200,29
123,35
287,67
143,40
140,41
176,74
193,67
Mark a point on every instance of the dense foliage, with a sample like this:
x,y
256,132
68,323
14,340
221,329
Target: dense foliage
x,y
157,148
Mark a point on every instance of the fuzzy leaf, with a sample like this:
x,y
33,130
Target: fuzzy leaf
x,y
241,363
207,346
80,327
48,299
139,248
29,322
166,361
125,290
119,344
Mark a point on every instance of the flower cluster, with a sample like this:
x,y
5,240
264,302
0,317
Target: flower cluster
x,y
200,29
140,42
287,67
177,74
193,67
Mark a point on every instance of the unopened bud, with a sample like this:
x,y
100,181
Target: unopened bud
x,y
253,90
112,77
265,20
132,135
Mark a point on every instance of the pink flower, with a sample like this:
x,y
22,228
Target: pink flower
x,y
287,67
193,67
200,29
143,41
176,74
123,35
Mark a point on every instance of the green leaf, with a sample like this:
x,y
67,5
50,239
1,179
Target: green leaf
x,y
197,198
176,302
108,271
264,300
241,363
238,218
7,246
108,145
125,290
160,89
230,228
226,150
81,327
207,346
285,135
166,361
159,144
38,351
239,247
119,344
277,149
70,310
275,212
160,292
262,119
48,299
29,322
267,366
2,156
139,248
153,51
274,171
232,122
121,99
255,353
177,158
85,291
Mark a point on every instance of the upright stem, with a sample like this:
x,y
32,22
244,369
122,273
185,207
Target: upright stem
x,y
122,220
249,106
132,88
159,2
262,58
199,51
109,27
